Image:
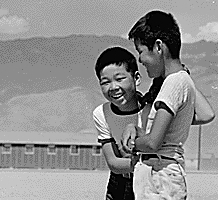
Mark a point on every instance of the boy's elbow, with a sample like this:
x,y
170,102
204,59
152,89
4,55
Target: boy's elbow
x,y
112,166
114,169
209,119
212,117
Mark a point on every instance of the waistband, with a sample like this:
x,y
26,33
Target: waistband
x,y
127,176
170,148
156,156
147,158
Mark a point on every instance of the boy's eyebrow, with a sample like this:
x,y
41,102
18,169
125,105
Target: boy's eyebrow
x,y
119,73
104,77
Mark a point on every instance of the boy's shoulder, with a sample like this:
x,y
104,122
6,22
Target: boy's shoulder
x,y
99,109
180,77
181,73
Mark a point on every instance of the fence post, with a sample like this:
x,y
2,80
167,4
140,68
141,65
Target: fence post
x,y
199,147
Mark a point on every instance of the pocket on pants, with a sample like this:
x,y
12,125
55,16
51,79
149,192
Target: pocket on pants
x,y
170,182
142,181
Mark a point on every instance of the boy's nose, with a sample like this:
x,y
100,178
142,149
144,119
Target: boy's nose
x,y
114,86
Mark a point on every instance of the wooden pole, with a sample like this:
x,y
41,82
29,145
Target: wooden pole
x,y
199,147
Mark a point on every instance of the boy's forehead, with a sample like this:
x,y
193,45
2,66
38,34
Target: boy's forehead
x,y
138,44
114,69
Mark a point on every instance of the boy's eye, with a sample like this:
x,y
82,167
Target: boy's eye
x,y
120,79
104,82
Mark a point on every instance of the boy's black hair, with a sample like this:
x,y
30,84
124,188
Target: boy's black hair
x,y
158,25
116,55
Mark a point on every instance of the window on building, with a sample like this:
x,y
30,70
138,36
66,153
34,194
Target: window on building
x,y
52,149
74,149
6,149
29,149
96,150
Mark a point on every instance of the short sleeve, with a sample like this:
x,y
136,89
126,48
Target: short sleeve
x,y
101,125
173,92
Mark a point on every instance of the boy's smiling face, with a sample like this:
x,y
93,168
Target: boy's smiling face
x,y
119,86
151,60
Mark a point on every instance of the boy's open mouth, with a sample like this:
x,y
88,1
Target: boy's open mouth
x,y
117,96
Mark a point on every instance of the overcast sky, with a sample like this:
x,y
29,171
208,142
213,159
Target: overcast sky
x,y
28,18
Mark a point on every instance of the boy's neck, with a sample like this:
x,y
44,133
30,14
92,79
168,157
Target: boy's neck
x,y
172,66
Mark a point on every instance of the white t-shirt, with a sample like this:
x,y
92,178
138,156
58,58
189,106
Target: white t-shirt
x,y
110,125
178,93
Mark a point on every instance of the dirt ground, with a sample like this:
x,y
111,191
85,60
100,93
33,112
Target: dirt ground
x,y
84,185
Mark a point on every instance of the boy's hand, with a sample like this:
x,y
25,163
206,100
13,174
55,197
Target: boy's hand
x,y
128,138
123,153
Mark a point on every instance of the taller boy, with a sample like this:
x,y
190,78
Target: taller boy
x,y
160,174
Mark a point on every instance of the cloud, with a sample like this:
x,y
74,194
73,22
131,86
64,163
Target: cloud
x,y
209,32
13,25
187,38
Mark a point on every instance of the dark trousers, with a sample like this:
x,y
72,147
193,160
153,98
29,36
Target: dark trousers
x,y
119,188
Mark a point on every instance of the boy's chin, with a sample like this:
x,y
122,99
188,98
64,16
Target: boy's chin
x,y
151,75
121,106
119,103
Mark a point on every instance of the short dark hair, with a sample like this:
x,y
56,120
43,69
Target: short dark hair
x,y
116,55
158,25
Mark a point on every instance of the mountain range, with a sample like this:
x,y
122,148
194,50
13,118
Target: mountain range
x,y
49,84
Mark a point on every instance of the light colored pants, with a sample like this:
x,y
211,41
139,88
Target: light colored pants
x,y
166,184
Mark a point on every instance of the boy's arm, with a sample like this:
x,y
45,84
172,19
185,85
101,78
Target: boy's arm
x,y
109,147
118,165
167,104
203,111
149,143
131,132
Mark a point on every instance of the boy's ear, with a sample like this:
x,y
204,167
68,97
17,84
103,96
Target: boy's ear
x,y
137,78
158,45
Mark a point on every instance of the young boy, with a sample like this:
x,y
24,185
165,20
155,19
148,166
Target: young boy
x,y
117,71
160,173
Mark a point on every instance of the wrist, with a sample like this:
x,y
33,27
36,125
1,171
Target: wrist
x,y
134,160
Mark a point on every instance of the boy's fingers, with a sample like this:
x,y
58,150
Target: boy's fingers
x,y
131,143
127,149
125,154
126,145
125,141
128,138
139,131
133,134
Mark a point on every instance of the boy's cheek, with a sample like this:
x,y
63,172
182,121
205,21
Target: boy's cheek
x,y
105,93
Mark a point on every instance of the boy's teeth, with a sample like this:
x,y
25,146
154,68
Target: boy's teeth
x,y
116,96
